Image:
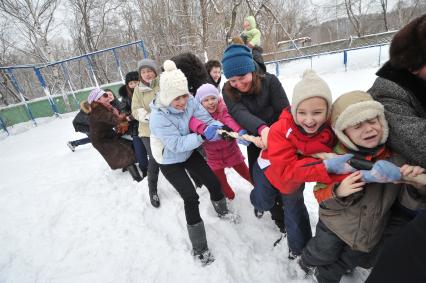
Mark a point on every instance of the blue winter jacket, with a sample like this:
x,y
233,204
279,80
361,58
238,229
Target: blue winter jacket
x,y
171,140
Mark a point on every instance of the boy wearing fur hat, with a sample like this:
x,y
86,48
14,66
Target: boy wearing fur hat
x,y
286,165
353,213
173,147
144,94
220,154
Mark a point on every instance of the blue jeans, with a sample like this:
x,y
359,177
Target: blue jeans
x,y
296,217
140,153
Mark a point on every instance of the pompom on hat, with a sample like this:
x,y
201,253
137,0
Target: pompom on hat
x,y
237,61
95,94
206,90
310,86
353,108
173,83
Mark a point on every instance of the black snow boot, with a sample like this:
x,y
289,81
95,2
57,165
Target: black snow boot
x,y
153,197
134,172
197,235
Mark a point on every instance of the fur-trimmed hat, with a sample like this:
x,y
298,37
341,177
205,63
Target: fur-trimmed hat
x,y
95,94
173,83
237,61
206,90
131,76
310,86
148,63
408,46
353,108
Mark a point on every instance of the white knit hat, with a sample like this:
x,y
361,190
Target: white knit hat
x,y
353,108
173,83
310,86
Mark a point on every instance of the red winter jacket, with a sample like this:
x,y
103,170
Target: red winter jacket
x,y
222,153
288,153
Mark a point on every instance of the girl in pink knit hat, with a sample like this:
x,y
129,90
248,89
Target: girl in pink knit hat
x,y
223,153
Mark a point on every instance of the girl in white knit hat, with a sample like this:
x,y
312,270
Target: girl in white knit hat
x,y
173,147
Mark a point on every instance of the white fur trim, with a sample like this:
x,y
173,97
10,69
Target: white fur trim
x,y
357,113
157,148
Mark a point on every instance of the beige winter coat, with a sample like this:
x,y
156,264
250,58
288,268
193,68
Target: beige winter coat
x,y
142,97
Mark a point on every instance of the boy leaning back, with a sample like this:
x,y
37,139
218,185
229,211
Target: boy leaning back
x,y
353,213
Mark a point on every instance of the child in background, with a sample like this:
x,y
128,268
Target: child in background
x,y
214,68
222,153
353,213
126,93
173,147
81,124
250,35
286,165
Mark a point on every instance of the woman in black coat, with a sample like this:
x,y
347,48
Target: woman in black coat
x,y
255,99
126,93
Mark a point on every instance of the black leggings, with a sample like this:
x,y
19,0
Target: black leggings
x,y
177,176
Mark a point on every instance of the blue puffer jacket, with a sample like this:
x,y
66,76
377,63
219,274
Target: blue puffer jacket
x,y
171,140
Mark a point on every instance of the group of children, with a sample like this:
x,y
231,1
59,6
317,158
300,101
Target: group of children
x,y
314,140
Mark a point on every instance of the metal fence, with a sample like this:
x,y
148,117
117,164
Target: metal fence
x,y
62,84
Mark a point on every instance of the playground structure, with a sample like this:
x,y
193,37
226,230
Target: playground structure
x,y
57,87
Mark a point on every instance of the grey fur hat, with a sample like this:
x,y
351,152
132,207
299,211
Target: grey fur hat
x,y
148,63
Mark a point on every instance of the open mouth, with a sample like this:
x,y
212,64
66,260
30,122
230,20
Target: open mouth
x,y
370,138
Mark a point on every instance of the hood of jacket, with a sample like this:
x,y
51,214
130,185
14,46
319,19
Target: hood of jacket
x,y
252,21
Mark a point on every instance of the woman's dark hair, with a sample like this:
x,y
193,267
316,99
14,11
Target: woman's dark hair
x,y
255,89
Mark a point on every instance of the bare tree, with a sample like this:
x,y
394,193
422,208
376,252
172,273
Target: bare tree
x,y
230,24
384,6
90,23
35,22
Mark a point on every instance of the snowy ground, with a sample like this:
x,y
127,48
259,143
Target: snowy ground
x,y
66,217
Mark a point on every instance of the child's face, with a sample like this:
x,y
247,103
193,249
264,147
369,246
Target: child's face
x,y
132,84
242,83
210,103
421,73
147,75
367,134
215,73
246,25
179,102
311,114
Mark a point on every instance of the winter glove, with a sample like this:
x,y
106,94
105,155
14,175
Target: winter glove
x,y
143,115
226,136
242,141
244,37
122,128
382,172
210,132
339,165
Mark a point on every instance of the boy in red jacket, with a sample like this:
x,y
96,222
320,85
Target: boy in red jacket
x,y
221,153
287,164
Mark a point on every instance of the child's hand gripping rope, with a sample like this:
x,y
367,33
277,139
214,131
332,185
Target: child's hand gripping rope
x,y
242,137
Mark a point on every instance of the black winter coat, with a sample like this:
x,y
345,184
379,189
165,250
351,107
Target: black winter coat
x,y
81,122
254,110
126,108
